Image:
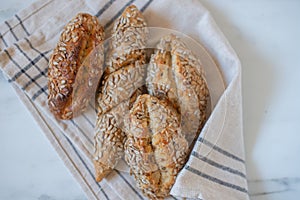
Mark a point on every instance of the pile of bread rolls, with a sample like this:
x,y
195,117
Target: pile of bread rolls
x,y
149,109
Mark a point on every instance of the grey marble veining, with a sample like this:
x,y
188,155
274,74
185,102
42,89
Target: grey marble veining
x,y
279,188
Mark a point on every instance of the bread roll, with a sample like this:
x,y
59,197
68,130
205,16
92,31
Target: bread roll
x,y
124,75
155,149
176,75
110,136
128,40
75,66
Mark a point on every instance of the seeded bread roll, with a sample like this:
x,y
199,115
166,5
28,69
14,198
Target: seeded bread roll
x,y
175,74
125,65
124,74
128,40
119,86
75,66
155,149
110,136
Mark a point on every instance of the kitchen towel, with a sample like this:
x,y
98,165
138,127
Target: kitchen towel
x,y
216,166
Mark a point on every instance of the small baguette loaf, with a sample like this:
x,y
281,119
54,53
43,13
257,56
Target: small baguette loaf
x,y
155,149
175,74
75,66
124,74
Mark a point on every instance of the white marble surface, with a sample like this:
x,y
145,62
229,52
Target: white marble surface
x,y
264,33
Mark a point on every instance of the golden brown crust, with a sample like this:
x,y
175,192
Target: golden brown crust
x,y
72,74
101,170
155,149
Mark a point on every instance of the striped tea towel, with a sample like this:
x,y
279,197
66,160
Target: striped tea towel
x,y
216,167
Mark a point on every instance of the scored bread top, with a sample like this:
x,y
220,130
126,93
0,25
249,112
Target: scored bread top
x,y
80,37
175,74
155,149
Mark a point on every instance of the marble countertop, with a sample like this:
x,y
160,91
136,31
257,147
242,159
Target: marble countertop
x,y
264,33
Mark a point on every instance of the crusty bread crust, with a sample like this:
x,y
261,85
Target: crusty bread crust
x,y
155,149
110,136
175,74
75,66
119,86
